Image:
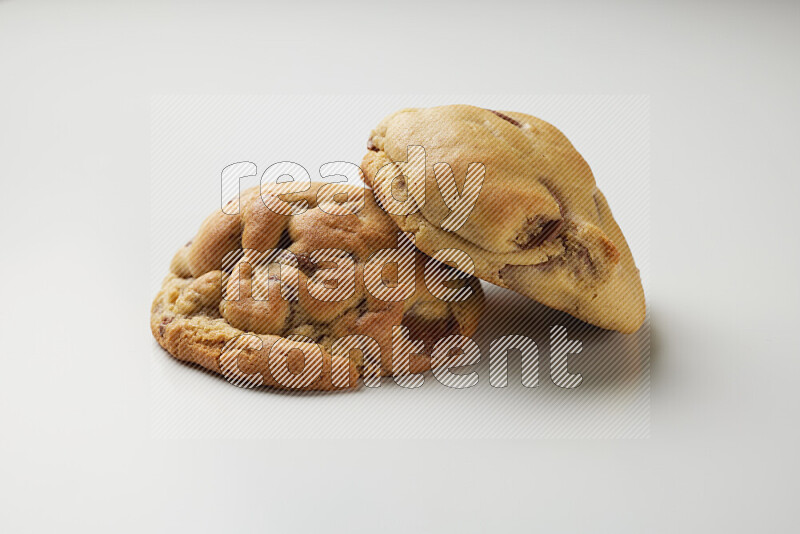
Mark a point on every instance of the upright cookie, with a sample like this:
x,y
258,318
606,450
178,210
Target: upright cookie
x,y
540,226
231,290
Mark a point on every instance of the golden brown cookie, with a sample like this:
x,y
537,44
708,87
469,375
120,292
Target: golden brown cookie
x,y
228,282
539,226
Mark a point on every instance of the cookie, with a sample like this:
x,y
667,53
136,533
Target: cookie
x,y
279,316
538,223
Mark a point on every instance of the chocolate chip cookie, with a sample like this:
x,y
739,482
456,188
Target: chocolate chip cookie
x,y
534,222
293,282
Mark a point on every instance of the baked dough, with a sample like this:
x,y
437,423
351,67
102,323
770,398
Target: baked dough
x,y
193,322
540,225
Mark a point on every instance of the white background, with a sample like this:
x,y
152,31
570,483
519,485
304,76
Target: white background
x,y
77,452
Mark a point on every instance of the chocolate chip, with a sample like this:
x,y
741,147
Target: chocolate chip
x,y
371,146
305,264
161,328
506,118
430,330
188,243
582,261
548,231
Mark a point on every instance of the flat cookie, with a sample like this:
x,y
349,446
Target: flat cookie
x,y
228,282
540,226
